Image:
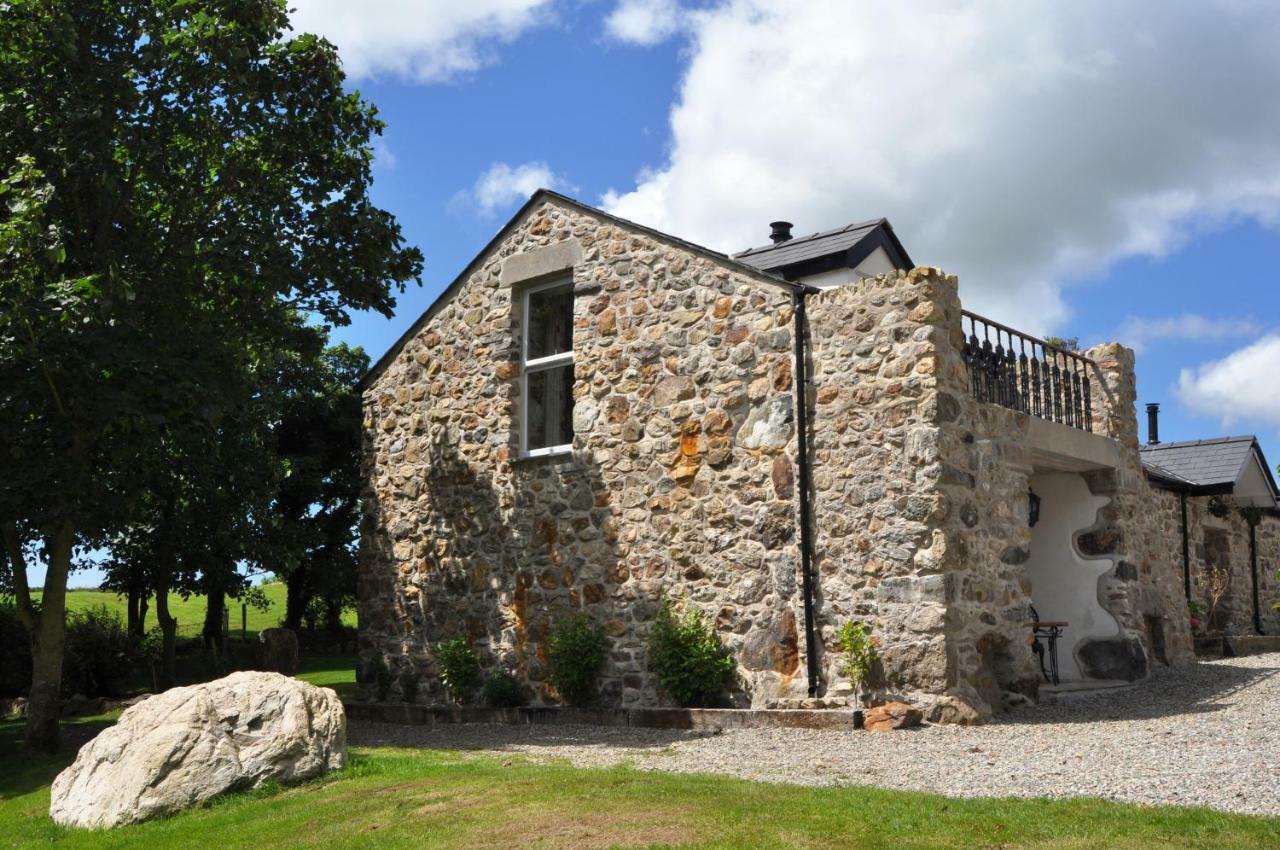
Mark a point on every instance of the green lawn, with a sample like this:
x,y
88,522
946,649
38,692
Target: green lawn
x,y
330,671
190,611
426,799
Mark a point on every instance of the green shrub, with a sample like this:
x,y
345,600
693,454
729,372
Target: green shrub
x,y
459,667
409,684
576,649
858,650
379,675
99,655
502,690
693,667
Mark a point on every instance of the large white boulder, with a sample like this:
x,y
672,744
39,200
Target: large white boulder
x,y
184,746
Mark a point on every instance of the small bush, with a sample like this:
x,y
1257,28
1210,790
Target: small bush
x,y
502,690
859,653
576,649
99,654
459,667
693,667
377,673
409,684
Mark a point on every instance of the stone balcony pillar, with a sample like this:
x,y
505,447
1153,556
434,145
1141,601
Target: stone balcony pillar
x,y
1114,392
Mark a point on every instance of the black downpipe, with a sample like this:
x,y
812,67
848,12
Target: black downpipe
x,y
805,489
1186,548
1253,570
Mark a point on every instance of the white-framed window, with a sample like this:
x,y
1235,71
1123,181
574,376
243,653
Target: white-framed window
x,y
546,369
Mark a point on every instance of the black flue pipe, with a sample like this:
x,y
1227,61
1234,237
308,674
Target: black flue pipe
x,y
1153,423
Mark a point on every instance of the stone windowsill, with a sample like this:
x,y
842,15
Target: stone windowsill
x,y
564,458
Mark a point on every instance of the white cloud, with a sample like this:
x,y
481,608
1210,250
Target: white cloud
x,y
645,22
1239,386
1021,145
383,157
503,185
418,40
1139,332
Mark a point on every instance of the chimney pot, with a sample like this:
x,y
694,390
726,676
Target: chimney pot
x,y
1153,423
779,231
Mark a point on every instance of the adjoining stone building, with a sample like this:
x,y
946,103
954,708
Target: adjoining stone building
x,y
1221,495
595,415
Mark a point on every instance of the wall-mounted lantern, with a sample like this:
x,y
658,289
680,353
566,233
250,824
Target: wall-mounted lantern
x,y
1033,508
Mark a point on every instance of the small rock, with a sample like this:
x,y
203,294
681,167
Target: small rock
x,y
890,716
278,650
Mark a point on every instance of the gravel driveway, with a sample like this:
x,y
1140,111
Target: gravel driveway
x,y
1201,735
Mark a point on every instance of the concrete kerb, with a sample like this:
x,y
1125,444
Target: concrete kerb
x,y
697,719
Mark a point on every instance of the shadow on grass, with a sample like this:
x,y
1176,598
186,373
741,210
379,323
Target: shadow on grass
x,y
22,772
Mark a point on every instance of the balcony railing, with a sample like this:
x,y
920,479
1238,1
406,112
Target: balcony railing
x,y
1021,372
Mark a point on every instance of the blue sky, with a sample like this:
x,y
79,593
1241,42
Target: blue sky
x,y
1101,170
590,107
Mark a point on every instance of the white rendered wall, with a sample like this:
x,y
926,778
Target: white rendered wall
x,y
1064,586
877,262
1252,487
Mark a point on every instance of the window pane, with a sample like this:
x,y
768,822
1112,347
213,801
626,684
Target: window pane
x,y
551,321
550,407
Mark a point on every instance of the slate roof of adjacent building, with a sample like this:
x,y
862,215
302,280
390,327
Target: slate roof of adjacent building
x,y
854,241
1218,462
807,247
851,242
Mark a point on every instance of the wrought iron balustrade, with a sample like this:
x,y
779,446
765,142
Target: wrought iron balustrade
x,y
1021,372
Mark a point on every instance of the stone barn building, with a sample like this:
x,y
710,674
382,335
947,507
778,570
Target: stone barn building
x,y
595,415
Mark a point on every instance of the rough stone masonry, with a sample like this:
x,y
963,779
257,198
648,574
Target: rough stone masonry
x,y
682,480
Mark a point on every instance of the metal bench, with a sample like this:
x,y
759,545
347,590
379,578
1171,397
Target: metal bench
x,y
1050,630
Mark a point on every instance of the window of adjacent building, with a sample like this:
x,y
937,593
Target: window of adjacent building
x,y
547,374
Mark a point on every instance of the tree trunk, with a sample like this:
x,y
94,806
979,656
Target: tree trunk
x,y
215,606
168,632
295,601
137,612
48,632
333,615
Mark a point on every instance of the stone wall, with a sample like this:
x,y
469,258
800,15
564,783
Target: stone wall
x,y
1235,614
680,482
897,492
920,498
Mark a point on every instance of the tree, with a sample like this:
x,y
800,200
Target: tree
x,y
312,528
183,180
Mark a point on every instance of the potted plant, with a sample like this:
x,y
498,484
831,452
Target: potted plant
x,y
1195,611
1215,581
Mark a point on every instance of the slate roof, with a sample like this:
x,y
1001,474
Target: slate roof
x,y
803,248
1204,463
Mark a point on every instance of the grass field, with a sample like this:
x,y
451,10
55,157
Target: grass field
x,y
190,611
435,799
330,671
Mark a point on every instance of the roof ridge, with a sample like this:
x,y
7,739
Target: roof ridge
x,y
1207,441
